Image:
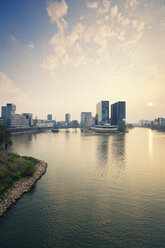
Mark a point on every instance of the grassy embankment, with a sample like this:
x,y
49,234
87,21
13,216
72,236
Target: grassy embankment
x,y
14,167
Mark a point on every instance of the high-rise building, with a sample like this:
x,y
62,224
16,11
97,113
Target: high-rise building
x,y
3,112
49,117
13,120
10,114
102,112
84,116
67,118
2,121
118,112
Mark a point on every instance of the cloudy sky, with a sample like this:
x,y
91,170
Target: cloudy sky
x,y
67,55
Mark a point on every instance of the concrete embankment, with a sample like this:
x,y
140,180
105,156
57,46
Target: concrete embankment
x,y
20,187
16,131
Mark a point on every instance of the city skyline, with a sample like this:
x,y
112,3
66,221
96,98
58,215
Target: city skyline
x,y
63,57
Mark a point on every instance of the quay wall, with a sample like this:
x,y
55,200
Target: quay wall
x,y
15,131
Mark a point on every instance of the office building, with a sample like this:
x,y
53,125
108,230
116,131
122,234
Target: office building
x,y
49,117
42,123
90,121
29,117
84,116
19,121
11,119
102,112
118,112
3,112
159,122
67,118
1,121
8,113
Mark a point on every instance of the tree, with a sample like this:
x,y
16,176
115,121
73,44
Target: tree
x,y
122,126
5,136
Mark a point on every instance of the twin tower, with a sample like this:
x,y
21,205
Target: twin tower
x,y
118,112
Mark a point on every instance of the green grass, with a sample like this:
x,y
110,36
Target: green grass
x,y
14,167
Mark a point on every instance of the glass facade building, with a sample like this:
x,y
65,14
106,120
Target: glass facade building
x,y
10,114
102,112
118,112
3,113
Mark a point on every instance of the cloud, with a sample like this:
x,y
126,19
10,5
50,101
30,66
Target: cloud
x,y
13,38
9,92
56,11
104,8
30,46
92,5
111,34
131,3
114,11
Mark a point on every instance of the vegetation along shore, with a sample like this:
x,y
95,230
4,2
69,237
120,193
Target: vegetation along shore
x,y
17,173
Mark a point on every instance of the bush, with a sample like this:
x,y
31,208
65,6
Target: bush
x,y
5,136
29,170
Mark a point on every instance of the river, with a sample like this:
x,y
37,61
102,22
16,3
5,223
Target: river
x,y
99,192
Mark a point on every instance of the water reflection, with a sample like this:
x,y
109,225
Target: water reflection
x,y
102,149
150,141
23,139
110,153
118,149
118,154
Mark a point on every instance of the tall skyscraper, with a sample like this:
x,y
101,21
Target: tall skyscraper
x,y
49,117
10,114
118,112
3,112
67,118
102,112
84,116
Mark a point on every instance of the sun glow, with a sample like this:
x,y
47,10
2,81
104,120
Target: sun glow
x,y
150,104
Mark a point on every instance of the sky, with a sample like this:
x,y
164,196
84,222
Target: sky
x,y
65,56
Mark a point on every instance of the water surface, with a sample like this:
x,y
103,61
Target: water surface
x,y
99,191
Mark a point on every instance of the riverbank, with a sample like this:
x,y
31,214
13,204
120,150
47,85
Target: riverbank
x,y
17,178
29,130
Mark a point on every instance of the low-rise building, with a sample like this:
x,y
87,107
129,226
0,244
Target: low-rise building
x,y
159,122
84,116
145,122
90,121
29,117
75,123
42,123
19,121
49,117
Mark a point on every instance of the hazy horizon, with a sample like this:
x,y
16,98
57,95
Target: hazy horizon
x,y
62,56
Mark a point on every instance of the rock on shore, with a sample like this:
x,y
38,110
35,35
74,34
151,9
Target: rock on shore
x,y
20,187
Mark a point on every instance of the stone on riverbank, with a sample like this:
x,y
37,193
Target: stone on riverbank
x,y
20,187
